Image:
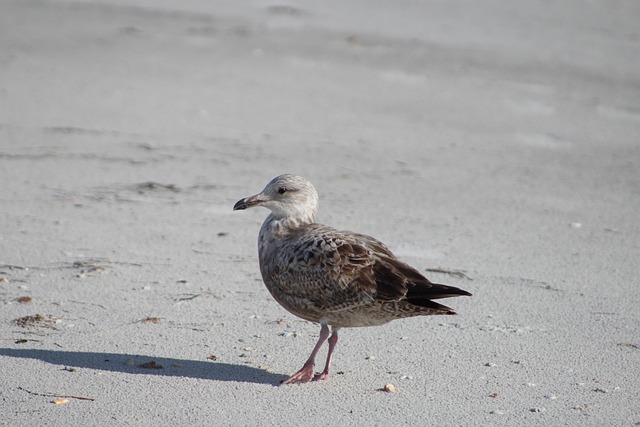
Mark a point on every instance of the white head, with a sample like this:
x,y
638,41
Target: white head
x,y
288,197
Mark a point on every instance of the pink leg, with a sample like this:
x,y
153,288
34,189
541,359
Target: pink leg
x,y
332,344
306,374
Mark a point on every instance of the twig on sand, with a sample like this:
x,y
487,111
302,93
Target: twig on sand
x,y
56,395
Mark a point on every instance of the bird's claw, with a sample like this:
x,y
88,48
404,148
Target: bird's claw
x,y
304,375
321,376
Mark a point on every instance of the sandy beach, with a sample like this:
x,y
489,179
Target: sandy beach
x,y
494,147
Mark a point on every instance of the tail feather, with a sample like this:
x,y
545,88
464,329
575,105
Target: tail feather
x,y
434,291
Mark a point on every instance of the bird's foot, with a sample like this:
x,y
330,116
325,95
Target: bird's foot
x,y
321,376
304,375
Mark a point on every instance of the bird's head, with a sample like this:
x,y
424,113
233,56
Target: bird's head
x,y
287,196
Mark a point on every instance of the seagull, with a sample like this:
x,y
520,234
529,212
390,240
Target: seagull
x,y
338,279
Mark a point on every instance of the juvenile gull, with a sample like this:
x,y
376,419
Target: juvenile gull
x,y
336,278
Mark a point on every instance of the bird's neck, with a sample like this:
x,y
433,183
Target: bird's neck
x,y
276,229
279,225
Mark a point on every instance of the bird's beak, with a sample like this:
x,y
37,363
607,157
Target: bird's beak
x,y
248,202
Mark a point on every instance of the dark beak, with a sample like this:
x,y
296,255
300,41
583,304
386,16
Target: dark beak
x,y
247,202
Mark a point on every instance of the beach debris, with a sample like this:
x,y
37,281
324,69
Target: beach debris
x,y
36,320
389,388
497,412
188,297
551,396
191,296
537,410
4,280
212,357
288,334
152,320
64,396
152,364
628,345
23,300
494,394
60,401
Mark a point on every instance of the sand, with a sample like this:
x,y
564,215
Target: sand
x,y
498,140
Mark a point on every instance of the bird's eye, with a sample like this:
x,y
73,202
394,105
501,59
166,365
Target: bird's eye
x,y
282,190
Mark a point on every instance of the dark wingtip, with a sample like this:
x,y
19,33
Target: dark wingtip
x,y
452,291
437,291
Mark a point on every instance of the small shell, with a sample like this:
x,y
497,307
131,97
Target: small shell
x,y
389,388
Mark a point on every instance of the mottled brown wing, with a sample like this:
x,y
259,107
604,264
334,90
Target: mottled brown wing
x,y
337,270
392,279
322,267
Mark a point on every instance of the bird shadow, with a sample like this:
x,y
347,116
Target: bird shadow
x,y
149,365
